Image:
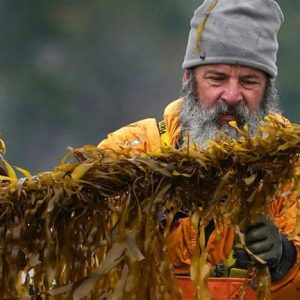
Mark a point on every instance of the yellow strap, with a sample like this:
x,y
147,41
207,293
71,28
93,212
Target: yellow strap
x,y
164,135
230,261
238,273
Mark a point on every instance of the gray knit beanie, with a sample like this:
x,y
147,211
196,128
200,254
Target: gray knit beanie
x,y
241,32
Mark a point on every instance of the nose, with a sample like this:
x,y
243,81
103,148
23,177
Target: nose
x,y
232,93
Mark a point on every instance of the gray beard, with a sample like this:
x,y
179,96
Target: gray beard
x,y
201,125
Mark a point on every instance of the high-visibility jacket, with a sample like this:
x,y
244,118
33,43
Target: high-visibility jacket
x,y
146,136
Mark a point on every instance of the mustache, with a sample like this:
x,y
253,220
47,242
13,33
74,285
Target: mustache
x,y
239,111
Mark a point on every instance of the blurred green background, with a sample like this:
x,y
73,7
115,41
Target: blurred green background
x,y
72,71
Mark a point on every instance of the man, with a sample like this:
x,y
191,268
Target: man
x,y
230,71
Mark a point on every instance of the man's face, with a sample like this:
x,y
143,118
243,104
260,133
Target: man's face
x,y
229,84
217,94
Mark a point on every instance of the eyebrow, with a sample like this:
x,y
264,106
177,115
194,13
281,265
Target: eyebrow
x,y
250,76
220,73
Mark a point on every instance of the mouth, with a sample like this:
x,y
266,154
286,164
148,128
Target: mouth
x,y
226,118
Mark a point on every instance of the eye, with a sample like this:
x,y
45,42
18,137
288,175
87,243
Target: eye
x,y
216,80
249,83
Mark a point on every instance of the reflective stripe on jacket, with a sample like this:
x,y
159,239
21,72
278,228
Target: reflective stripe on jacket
x,y
144,136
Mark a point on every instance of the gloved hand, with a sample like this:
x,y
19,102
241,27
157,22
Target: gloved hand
x,y
264,240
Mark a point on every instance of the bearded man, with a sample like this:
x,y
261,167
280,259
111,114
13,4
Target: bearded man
x,y
230,70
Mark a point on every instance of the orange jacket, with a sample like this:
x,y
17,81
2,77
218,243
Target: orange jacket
x,y
144,136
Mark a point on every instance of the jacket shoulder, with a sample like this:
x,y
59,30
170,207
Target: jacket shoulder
x,y
138,137
172,120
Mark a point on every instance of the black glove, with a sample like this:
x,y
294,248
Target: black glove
x,y
264,240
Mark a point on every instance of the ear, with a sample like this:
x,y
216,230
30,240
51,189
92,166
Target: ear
x,y
186,76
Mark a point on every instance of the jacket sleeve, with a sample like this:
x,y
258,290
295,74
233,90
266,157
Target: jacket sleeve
x,y
182,241
284,212
134,139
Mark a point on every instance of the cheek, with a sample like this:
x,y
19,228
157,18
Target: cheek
x,y
207,96
254,99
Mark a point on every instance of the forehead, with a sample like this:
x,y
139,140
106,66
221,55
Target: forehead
x,y
230,70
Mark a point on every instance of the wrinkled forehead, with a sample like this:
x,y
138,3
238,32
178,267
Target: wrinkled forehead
x,y
231,70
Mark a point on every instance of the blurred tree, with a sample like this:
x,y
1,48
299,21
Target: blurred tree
x,y
288,59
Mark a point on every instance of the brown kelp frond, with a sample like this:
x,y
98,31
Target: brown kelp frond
x,y
91,227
